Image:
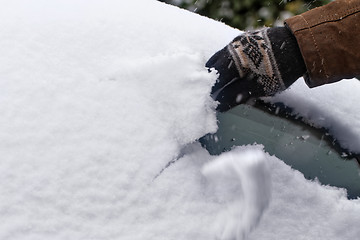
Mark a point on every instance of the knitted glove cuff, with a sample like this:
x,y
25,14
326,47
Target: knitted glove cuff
x,y
252,55
287,54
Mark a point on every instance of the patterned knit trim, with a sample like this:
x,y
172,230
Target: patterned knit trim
x,y
253,56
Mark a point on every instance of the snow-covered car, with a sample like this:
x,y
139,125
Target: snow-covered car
x,y
102,104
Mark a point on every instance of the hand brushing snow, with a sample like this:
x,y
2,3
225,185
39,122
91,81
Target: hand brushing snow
x,y
96,97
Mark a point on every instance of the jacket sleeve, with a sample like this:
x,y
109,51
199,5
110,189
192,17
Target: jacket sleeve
x,y
329,41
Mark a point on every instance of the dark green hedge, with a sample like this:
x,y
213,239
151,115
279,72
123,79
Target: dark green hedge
x,y
245,14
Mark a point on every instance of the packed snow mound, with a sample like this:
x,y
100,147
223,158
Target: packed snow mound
x,y
102,103
247,178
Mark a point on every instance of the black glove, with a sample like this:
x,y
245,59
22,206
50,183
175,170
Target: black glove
x,y
255,64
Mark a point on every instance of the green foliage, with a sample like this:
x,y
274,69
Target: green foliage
x,y
247,14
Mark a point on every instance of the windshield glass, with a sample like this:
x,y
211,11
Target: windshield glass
x,y
312,151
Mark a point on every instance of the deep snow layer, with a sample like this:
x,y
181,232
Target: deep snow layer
x,y
98,97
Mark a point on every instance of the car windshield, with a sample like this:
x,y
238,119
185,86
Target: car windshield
x,y
312,151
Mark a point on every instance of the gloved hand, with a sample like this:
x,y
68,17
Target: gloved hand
x,y
255,64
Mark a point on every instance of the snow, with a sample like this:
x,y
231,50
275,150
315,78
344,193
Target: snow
x,y
249,184
101,107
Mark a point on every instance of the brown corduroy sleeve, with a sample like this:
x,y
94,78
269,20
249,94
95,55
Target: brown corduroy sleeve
x,y
329,41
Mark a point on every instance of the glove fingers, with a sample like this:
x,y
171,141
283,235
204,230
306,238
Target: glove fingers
x,y
212,61
225,67
232,95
